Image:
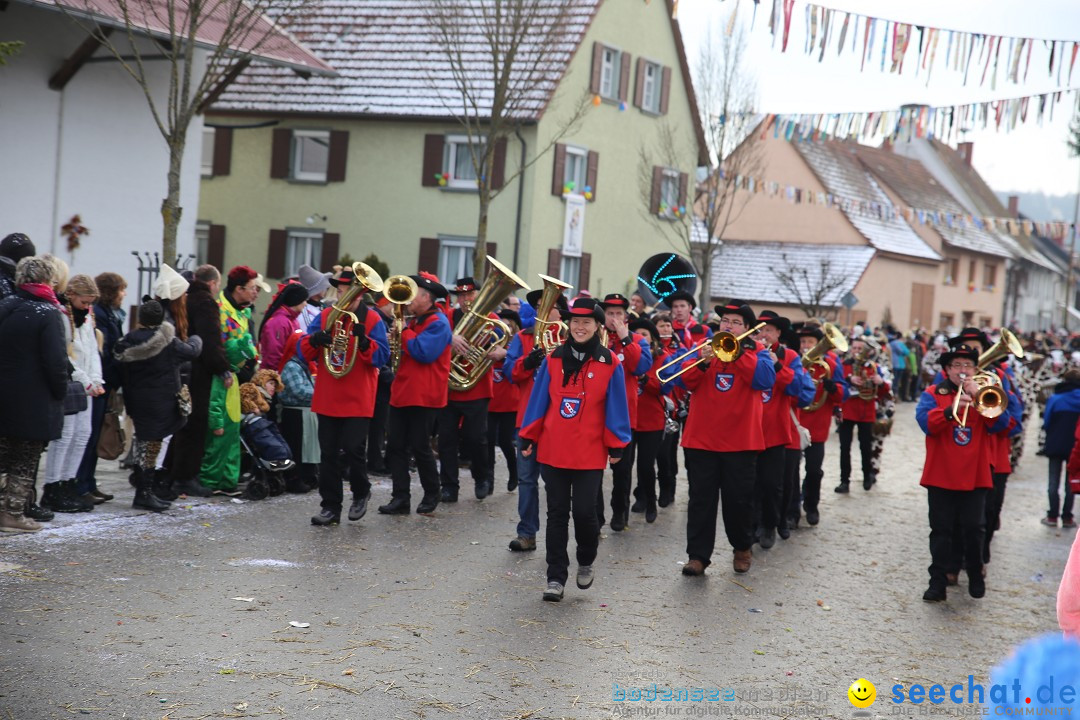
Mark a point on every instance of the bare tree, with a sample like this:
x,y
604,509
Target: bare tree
x,y
811,287
726,93
156,31
505,57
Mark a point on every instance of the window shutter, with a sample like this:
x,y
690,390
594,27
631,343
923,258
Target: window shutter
x,y
275,256
331,250
554,258
639,83
654,196
222,151
624,75
559,170
280,153
433,159
665,89
597,68
590,172
498,170
429,254
215,247
586,266
339,153
683,180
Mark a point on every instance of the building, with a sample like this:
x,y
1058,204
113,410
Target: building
x,y
373,161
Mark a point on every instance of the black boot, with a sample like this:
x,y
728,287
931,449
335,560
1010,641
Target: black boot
x,y
144,495
58,497
162,486
35,511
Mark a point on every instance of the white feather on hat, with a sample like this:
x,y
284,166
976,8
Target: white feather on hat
x,y
170,285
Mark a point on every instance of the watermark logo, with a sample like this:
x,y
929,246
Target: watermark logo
x,y
862,693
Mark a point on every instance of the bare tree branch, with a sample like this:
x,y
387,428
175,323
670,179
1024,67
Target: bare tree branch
x,y
811,287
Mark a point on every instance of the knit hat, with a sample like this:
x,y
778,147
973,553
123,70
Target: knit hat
x,y
313,281
16,246
151,314
293,294
169,284
83,285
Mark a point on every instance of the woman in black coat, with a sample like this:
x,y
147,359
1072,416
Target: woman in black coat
x,y
150,359
34,363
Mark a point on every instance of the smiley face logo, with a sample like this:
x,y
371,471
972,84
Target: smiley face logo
x,y
862,693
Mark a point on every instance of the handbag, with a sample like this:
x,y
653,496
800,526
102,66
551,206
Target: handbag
x,y
113,438
75,400
804,434
183,401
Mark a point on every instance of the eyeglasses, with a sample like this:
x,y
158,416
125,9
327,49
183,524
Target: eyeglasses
x,y
963,366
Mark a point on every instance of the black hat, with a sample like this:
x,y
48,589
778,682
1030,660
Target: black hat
x,y
16,246
426,283
645,324
964,351
680,295
508,314
970,333
780,323
585,307
463,285
151,314
738,307
616,300
533,298
807,330
294,294
345,277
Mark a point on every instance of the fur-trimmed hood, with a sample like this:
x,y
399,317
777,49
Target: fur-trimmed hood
x,y
144,343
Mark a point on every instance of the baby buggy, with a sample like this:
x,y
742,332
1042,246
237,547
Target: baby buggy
x,y
264,459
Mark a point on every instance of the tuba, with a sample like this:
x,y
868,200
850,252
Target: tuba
x,y
337,358
400,290
863,364
481,332
547,334
814,359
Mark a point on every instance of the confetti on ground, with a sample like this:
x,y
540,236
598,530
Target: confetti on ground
x,y
299,624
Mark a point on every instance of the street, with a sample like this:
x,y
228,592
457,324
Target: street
x,y
186,615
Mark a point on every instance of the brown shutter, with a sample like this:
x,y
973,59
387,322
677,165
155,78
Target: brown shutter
x,y
683,180
429,254
215,247
498,170
339,154
639,83
433,160
222,151
597,68
331,250
275,255
559,171
491,248
654,196
280,153
585,268
554,258
624,75
665,89
590,172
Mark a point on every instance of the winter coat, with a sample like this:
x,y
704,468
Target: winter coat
x,y
110,321
1059,421
957,458
204,320
424,372
7,277
85,357
353,394
34,364
277,331
150,359
264,439
299,386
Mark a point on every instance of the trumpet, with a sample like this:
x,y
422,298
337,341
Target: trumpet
x,y
337,358
725,345
400,290
546,333
990,399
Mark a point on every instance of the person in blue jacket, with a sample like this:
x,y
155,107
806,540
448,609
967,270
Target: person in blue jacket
x,y
1059,421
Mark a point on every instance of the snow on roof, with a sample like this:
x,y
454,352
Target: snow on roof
x,y
838,168
748,269
390,62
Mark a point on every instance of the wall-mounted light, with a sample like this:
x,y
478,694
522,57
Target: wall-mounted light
x,y
315,216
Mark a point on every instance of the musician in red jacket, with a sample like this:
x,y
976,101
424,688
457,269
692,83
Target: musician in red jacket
x,y
667,460
633,352
419,390
860,372
345,404
502,412
956,472
817,418
652,415
576,422
722,440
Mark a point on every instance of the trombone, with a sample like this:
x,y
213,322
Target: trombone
x,y
990,399
725,345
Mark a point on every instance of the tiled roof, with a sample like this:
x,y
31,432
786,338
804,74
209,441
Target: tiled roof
x,y
264,39
391,64
918,188
746,269
838,168
986,200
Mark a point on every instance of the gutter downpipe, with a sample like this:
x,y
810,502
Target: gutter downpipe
x,y
520,198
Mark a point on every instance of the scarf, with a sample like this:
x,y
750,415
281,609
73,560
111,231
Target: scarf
x,y
41,291
576,356
78,316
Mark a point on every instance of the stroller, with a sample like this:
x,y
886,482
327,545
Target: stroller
x,y
264,459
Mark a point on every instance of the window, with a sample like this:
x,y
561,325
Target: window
x,y
952,270
202,242
610,62
577,165
946,321
455,257
971,277
302,247
967,318
650,87
208,152
458,162
570,271
310,154
989,276
669,193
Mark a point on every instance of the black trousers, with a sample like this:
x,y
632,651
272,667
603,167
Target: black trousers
x,y
667,462
648,449
570,492
468,420
769,488
722,477
189,444
995,499
866,441
947,509
621,479
789,513
292,429
376,439
501,427
811,489
342,441
408,429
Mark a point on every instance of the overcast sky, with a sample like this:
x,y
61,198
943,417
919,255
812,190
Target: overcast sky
x,y
1030,158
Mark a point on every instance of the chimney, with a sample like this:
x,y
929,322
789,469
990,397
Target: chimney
x,y
966,149
1014,206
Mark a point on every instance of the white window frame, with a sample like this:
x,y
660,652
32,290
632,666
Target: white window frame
x,y
581,161
610,68
202,242
651,87
453,145
570,271
669,181
297,155
461,269
208,136
310,254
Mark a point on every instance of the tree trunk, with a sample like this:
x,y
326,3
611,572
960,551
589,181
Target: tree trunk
x,y
480,251
704,294
170,206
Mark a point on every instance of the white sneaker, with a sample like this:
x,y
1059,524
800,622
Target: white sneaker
x,y
584,576
554,591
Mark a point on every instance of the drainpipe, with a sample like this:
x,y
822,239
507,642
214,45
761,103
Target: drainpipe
x,y
55,230
520,198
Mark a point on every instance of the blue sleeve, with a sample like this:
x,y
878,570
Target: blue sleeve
x,y
645,362
838,378
429,344
513,352
802,387
1000,423
1015,412
315,326
678,382
377,334
540,398
1050,404
616,410
764,373
922,411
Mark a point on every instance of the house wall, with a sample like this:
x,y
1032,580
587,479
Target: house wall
x,y
92,149
887,284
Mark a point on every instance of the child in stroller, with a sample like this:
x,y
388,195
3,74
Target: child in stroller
x,y
267,455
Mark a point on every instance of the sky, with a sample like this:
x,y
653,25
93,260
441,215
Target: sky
x,y
1031,158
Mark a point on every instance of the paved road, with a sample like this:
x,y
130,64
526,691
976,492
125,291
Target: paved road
x,y
116,613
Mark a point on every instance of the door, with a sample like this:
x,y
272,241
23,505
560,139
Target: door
x,y
922,305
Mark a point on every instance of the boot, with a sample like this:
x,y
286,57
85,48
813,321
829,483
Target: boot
x,y
162,486
144,495
57,496
35,511
14,494
86,503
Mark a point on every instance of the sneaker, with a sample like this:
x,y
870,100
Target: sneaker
x,y
359,507
554,591
523,544
326,517
584,576
1049,521
843,488
191,488
1067,522
235,492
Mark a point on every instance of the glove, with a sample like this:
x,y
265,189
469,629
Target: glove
x,y
363,342
359,330
534,358
749,344
320,339
829,384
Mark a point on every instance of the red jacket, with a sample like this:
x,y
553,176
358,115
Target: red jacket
x,y
652,414
352,395
819,422
514,367
857,409
507,396
957,458
483,388
423,376
776,426
636,360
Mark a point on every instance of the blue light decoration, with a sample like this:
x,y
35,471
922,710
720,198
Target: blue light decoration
x,y
665,280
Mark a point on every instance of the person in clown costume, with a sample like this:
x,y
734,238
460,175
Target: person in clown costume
x,y
220,470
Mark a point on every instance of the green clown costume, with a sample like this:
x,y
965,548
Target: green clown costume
x,y
221,462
